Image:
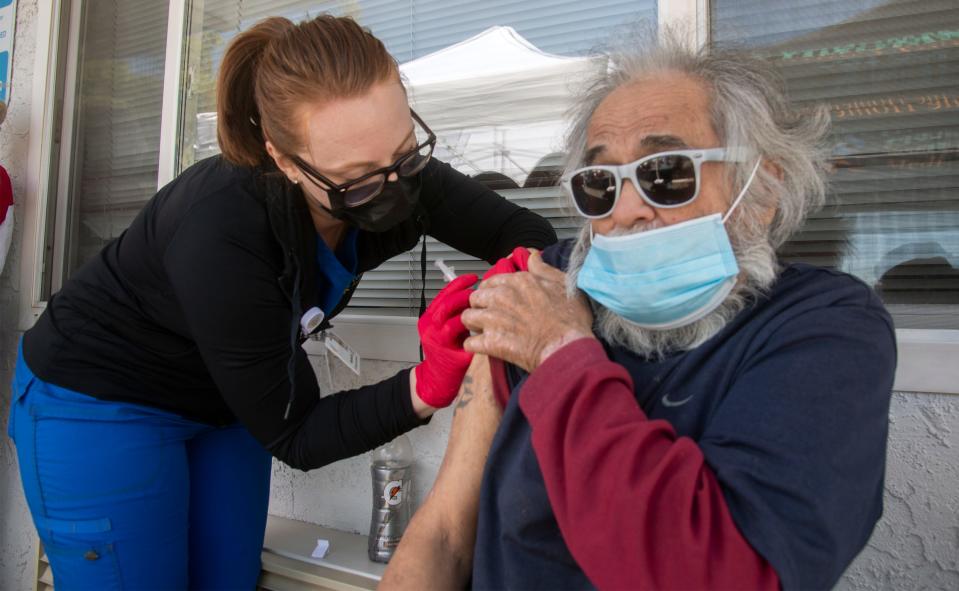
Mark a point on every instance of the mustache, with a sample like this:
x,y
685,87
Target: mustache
x,y
636,228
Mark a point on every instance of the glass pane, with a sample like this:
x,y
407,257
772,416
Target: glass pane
x,y
120,78
889,72
493,80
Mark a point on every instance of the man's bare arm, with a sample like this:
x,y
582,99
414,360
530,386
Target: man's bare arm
x,y
437,549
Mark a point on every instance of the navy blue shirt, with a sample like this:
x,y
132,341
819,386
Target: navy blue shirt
x,y
788,404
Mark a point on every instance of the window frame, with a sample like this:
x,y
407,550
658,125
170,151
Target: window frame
x,y
926,356
43,158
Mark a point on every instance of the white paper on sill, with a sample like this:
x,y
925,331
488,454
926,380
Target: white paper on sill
x,y
322,547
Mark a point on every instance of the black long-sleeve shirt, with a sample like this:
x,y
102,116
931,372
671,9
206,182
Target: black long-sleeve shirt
x,y
188,311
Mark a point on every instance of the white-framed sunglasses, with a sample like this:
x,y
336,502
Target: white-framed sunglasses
x,y
665,179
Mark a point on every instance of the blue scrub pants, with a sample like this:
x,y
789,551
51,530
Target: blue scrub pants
x,y
129,497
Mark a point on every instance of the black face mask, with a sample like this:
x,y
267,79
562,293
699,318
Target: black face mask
x,y
394,204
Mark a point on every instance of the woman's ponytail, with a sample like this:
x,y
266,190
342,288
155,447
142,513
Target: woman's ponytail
x,y
238,126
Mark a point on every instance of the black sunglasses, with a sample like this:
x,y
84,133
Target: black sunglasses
x,y
361,190
666,179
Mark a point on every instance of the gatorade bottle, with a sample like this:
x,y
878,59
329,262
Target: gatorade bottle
x,y
391,468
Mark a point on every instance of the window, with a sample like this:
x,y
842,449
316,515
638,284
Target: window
x,y
110,137
493,80
888,71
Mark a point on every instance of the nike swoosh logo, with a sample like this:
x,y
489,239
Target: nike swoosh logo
x,y
668,402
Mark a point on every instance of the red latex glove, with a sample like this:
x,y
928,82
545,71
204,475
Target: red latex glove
x,y
439,375
518,260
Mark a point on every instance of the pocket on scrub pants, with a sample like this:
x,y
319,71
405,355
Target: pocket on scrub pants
x,y
19,388
81,554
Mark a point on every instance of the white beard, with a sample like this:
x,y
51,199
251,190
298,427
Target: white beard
x,y
758,269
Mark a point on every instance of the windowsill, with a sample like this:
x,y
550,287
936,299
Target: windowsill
x,y
346,562
926,357
927,361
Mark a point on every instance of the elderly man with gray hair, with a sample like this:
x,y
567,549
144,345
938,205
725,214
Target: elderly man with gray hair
x,y
683,410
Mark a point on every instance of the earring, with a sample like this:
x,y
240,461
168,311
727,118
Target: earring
x,y
295,181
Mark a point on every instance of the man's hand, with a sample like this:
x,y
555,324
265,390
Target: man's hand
x,y
523,318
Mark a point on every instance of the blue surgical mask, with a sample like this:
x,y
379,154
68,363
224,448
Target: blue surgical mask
x,y
667,277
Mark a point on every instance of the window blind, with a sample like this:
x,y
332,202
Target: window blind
x,y
889,73
120,81
492,79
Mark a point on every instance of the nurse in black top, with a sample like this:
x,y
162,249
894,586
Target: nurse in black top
x,y
152,392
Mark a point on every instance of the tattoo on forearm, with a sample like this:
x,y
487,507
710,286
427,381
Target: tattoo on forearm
x,y
466,394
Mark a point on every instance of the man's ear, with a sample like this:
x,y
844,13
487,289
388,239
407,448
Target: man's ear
x,y
768,215
774,169
283,162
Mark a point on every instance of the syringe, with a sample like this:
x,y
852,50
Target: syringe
x,y
448,275
445,269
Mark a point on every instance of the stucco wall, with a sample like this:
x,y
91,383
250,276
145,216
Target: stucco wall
x,y
16,530
916,543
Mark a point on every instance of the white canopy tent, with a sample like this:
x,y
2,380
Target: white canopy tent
x,y
496,102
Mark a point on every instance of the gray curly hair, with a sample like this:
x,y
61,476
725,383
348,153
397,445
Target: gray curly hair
x,y
749,110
